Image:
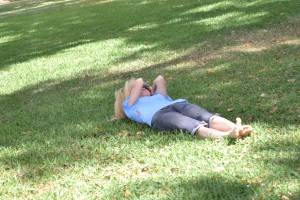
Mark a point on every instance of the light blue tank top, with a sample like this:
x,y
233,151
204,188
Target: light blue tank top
x,y
144,108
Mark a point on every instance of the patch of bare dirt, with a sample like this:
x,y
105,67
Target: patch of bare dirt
x,y
256,41
248,42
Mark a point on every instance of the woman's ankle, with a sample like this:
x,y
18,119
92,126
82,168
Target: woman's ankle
x,y
235,132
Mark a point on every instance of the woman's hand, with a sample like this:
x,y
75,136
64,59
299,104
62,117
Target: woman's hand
x,y
159,85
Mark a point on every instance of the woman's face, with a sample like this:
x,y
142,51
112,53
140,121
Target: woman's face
x,y
145,92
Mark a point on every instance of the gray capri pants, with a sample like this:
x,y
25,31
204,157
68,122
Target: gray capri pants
x,y
181,116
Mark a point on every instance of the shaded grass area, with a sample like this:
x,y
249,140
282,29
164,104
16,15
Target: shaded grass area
x,y
238,58
161,25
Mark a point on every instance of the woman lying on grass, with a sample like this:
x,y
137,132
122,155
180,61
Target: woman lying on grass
x,y
152,105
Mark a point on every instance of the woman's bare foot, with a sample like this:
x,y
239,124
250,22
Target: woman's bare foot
x,y
244,130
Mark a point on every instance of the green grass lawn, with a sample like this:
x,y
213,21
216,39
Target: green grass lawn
x,y
60,62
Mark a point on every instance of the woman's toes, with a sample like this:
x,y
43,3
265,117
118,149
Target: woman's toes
x,y
238,121
245,131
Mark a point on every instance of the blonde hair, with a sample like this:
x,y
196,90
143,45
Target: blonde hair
x,y
120,95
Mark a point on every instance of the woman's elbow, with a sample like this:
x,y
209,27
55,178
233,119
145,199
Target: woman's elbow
x,y
160,79
139,81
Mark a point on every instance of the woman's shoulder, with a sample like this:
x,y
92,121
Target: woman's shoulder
x,y
125,102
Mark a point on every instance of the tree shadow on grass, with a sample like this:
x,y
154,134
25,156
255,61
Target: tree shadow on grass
x,y
164,27
55,125
205,187
70,119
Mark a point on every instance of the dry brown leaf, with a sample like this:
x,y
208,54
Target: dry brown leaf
x,y
127,193
273,110
251,118
283,197
263,95
139,134
229,109
291,80
145,169
248,44
174,170
124,133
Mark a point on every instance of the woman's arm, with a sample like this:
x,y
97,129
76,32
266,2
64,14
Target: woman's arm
x,y
136,91
160,85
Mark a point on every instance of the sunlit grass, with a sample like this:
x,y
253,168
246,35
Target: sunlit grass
x,y
60,62
207,8
230,19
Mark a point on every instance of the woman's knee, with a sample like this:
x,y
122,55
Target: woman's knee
x,y
213,120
